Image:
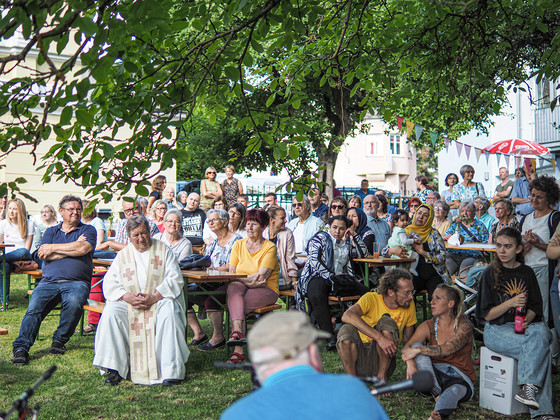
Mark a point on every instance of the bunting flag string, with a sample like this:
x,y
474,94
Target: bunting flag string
x,y
409,127
467,150
518,161
418,131
400,120
459,147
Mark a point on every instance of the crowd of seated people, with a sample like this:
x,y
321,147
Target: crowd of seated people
x,y
310,248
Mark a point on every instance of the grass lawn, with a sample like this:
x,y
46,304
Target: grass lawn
x,y
76,390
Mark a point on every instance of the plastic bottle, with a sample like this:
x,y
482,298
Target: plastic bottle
x,y
520,312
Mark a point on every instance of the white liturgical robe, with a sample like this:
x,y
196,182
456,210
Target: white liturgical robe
x,y
133,271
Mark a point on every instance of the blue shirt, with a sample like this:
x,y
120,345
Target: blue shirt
x,y
381,230
69,268
521,190
322,212
300,392
363,195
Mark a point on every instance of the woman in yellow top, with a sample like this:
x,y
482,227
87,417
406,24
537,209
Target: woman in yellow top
x,y
256,258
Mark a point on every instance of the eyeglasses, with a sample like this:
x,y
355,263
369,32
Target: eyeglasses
x,y
413,206
297,205
46,212
73,210
339,207
130,211
407,294
212,220
438,208
211,172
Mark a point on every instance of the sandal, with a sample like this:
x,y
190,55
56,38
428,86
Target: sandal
x,y
236,358
237,338
90,328
3,308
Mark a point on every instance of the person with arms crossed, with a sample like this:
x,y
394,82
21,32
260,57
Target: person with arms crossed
x,y
67,252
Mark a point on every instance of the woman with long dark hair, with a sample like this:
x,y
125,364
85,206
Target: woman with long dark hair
x,y
508,286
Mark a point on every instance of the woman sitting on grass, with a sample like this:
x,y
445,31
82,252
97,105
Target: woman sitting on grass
x,y
508,284
447,354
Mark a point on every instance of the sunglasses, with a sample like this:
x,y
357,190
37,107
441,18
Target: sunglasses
x,y
297,205
210,173
338,207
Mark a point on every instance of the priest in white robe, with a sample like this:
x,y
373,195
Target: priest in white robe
x,y
142,330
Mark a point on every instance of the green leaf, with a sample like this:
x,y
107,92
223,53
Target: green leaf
x,y
270,100
84,117
66,115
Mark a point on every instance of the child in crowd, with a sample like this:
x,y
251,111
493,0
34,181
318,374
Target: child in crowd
x,y
400,238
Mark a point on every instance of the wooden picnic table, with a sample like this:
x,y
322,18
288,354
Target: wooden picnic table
x,y
474,246
103,262
380,262
3,250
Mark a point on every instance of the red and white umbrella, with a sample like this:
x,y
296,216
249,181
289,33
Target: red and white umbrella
x,y
517,147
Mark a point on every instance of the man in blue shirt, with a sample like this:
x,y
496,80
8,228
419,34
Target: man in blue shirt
x,y
521,196
364,190
288,365
380,227
67,252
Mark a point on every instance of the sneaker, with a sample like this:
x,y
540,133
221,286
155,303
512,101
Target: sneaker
x,y
527,396
57,349
21,358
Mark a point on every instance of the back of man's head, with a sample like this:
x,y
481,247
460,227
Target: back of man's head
x,y
280,340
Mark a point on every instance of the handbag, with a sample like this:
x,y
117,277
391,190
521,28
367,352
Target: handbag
x,y
195,262
342,283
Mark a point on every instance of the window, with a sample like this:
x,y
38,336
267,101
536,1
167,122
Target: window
x,y
395,144
374,145
543,93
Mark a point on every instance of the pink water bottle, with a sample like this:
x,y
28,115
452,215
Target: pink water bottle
x,y
520,312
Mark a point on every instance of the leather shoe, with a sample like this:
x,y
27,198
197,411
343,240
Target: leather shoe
x,y
331,344
171,382
113,378
198,342
57,349
21,358
208,346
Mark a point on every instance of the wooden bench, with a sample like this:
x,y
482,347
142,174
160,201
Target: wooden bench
x,y
266,309
34,275
423,303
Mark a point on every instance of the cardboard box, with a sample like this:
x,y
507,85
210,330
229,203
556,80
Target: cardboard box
x,y
498,383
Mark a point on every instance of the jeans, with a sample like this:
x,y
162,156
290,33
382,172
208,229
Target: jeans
x,y
532,352
555,304
17,255
457,262
109,255
48,294
449,397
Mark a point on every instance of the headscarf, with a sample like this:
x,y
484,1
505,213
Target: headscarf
x,y
363,227
425,230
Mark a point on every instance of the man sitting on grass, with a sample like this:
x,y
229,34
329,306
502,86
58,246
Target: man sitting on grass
x,y
67,252
288,365
367,344
142,329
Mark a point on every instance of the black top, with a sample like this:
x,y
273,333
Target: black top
x,y
155,194
193,223
516,281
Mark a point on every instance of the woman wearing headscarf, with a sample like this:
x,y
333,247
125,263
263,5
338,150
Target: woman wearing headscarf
x,y
431,251
359,228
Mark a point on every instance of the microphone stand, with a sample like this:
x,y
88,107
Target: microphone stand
x,y
21,405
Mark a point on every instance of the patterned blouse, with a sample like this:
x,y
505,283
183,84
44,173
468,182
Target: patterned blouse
x,y
477,229
462,193
497,226
388,218
422,195
219,255
231,190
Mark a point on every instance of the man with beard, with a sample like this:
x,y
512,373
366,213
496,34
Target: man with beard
x,y
376,324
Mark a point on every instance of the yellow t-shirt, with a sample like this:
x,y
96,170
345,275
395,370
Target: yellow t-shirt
x,y
247,263
374,308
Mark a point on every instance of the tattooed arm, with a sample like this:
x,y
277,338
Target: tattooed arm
x,y
460,338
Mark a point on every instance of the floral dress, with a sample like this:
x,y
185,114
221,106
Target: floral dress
x,y
462,193
231,190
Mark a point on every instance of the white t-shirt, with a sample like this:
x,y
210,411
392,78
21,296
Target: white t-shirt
x,y
299,240
12,235
536,257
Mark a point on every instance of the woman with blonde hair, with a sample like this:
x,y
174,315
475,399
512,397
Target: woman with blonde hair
x,y
158,185
231,186
15,230
209,189
442,346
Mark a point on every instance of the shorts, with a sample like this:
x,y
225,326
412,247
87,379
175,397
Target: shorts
x,y
367,363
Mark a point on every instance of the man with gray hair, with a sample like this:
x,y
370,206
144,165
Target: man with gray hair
x,y
130,208
380,227
287,363
304,225
142,330
481,205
